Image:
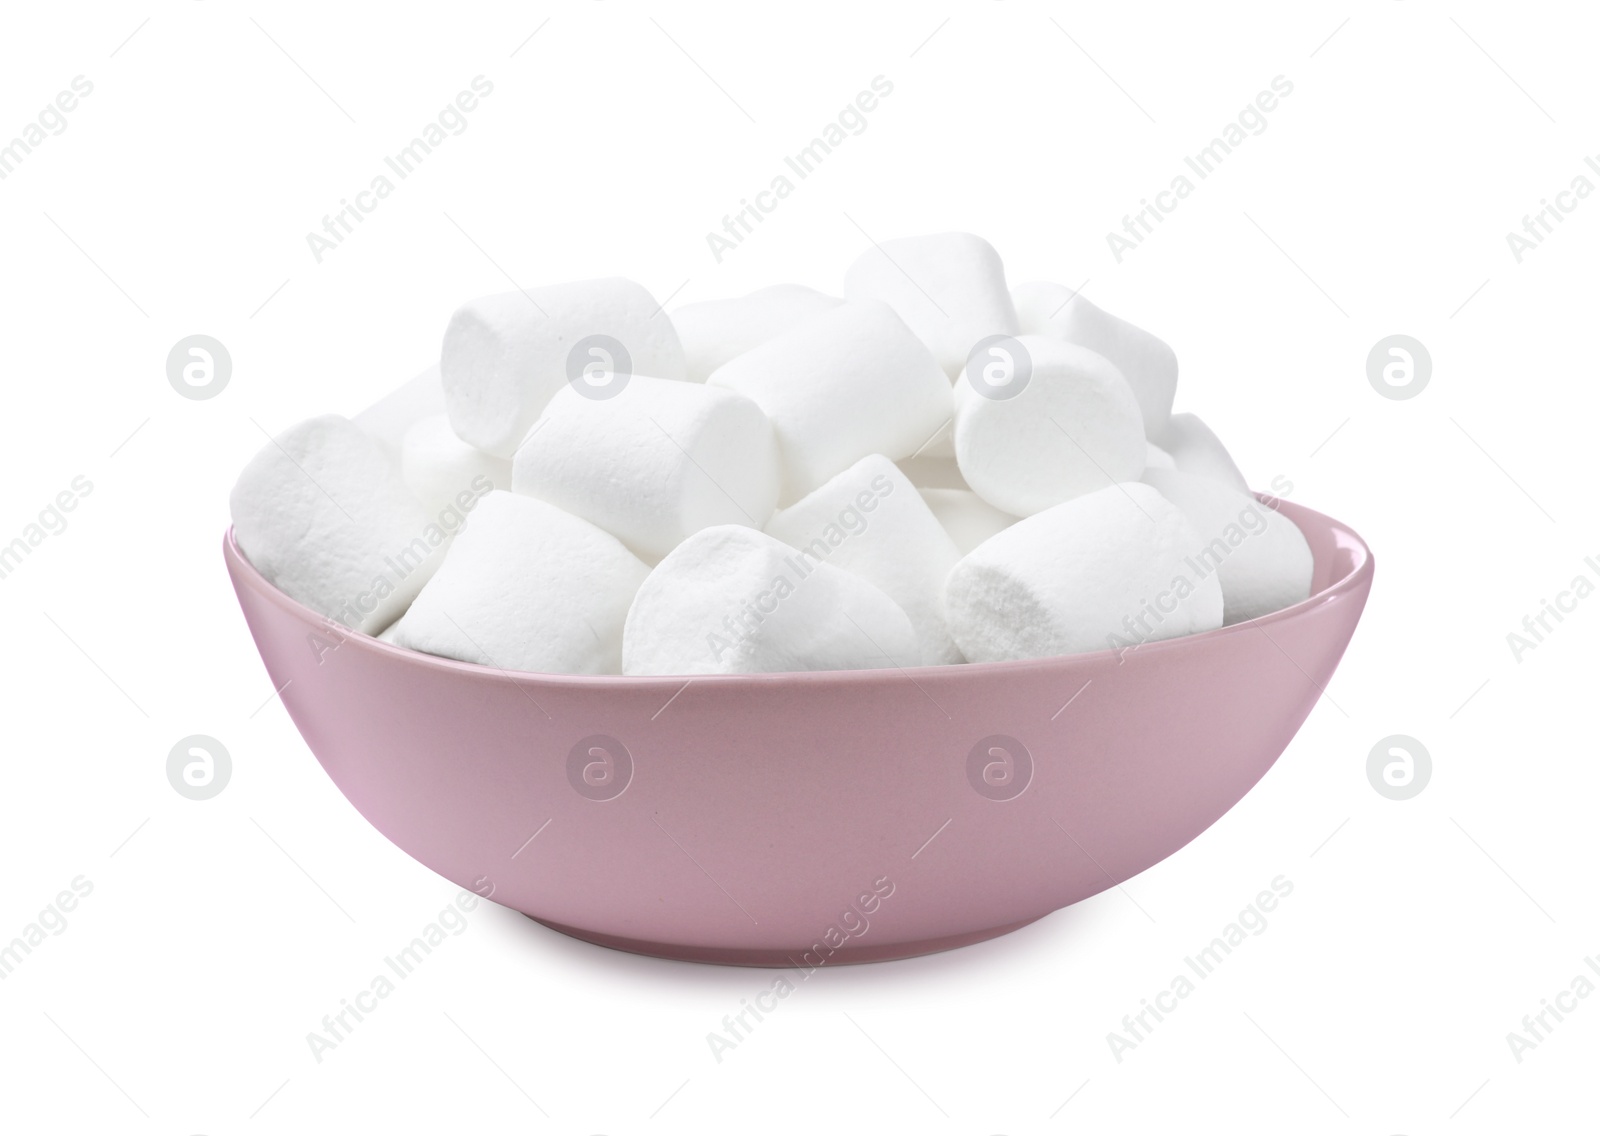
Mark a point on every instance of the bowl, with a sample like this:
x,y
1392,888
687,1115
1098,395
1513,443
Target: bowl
x,y
807,819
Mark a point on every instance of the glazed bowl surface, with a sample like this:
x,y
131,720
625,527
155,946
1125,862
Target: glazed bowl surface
x,y
813,818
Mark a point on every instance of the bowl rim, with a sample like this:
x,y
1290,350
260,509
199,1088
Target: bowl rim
x,y
1358,577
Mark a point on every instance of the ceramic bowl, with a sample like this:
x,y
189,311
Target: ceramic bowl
x,y
812,818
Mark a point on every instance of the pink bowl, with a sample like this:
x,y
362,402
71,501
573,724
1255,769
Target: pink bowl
x,y
803,819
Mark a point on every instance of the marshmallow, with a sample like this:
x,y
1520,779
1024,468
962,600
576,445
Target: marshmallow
x,y
941,445
322,512
445,472
928,472
1146,362
950,288
1195,449
732,600
714,331
1260,556
654,463
966,517
1052,421
851,382
527,587
869,520
1157,458
1107,569
391,416
505,355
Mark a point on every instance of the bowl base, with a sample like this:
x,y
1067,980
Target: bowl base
x,y
802,958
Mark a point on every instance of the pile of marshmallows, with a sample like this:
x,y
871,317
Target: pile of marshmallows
x,y
934,469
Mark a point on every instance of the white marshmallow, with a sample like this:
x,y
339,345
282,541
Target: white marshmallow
x,y
505,355
654,463
941,445
1072,428
870,520
968,518
527,587
851,382
391,416
732,600
445,472
1149,365
322,512
950,288
714,331
1260,556
1157,458
928,472
1195,449
1090,574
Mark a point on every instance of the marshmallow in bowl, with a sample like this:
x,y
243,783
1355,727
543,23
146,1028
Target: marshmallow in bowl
x,y
933,469
950,288
1195,449
715,331
941,445
439,467
870,520
526,587
967,518
1148,364
734,600
928,472
391,416
654,463
323,513
1044,422
1260,557
850,382
1105,570
505,355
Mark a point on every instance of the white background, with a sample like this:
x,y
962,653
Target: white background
x,y
219,933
